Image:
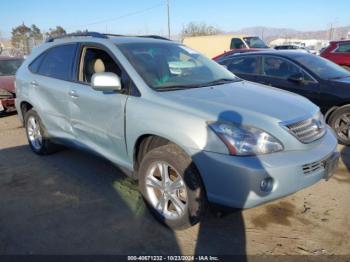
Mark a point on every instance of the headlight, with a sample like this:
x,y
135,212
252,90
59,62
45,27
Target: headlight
x,y
5,94
245,140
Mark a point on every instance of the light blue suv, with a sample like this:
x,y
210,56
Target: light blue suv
x,y
186,128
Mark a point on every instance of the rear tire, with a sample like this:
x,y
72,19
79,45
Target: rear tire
x,y
37,136
172,187
340,123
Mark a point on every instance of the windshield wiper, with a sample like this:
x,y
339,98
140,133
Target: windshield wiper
x,y
173,88
338,77
211,83
221,81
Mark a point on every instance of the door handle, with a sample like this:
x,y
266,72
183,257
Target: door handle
x,y
34,83
73,94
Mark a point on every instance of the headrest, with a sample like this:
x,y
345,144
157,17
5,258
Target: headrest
x,y
99,66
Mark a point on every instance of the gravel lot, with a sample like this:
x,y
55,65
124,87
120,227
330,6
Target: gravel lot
x,y
75,203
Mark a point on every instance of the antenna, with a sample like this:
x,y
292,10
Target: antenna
x,y
168,10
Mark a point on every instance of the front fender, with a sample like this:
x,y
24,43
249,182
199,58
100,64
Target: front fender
x,y
190,132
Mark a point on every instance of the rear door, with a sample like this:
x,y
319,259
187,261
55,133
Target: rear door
x,y
51,77
98,117
245,67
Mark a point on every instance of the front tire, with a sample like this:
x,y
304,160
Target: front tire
x,y
340,123
37,135
172,187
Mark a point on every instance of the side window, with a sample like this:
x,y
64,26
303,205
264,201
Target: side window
x,y
280,68
343,48
34,66
237,43
94,60
243,65
58,62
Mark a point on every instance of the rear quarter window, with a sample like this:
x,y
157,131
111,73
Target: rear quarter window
x,y
34,66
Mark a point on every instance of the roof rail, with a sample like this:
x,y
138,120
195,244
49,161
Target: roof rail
x,y
92,34
145,36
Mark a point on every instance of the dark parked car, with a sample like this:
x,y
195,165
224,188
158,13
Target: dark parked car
x,y
338,52
292,47
237,51
320,80
8,68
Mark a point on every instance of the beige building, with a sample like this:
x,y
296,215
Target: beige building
x,y
214,45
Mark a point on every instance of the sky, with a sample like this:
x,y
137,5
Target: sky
x,y
150,17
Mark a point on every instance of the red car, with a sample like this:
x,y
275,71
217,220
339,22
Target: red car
x,y
8,68
237,51
338,52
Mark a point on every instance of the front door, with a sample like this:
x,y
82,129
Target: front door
x,y
97,117
282,73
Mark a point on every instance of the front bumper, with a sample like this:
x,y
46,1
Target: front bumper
x,y
236,181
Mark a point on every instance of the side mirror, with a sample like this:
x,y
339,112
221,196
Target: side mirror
x,y
296,78
106,82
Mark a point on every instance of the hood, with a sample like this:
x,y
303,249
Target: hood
x,y
243,102
7,83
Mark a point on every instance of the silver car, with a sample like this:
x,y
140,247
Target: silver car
x,y
186,128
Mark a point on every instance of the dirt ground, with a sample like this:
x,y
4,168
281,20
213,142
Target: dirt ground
x,y
76,203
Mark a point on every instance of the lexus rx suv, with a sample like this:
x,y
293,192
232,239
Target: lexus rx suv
x,y
186,128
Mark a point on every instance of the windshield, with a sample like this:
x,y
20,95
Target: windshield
x,y
322,67
9,67
255,42
165,66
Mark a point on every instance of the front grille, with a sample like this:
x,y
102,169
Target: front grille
x,y
308,130
310,168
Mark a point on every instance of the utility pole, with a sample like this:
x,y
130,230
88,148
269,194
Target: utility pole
x,y
168,10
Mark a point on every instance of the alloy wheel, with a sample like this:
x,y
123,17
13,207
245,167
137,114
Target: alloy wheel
x,y
166,190
34,133
342,126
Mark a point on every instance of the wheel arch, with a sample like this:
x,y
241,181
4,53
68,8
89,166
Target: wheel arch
x,y
146,142
24,108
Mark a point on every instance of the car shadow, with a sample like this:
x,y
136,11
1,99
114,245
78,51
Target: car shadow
x,y
345,156
7,114
73,202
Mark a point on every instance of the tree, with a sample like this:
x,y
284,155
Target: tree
x,y
55,32
36,35
199,29
20,38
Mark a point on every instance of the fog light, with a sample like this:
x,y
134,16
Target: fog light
x,y
266,185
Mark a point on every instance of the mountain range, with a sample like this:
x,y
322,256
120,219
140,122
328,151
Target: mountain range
x,y
270,33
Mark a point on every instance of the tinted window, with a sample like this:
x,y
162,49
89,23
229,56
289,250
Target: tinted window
x,y
281,68
34,66
243,65
343,48
97,61
58,62
237,43
9,67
